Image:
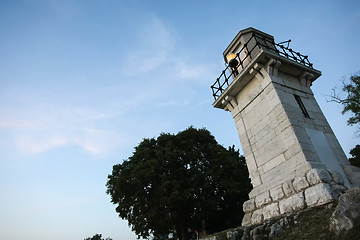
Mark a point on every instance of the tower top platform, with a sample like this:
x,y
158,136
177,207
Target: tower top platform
x,y
252,49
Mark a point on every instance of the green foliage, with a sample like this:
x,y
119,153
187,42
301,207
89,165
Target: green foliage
x,y
97,237
355,153
351,102
310,224
179,183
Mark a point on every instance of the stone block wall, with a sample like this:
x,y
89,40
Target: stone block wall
x,y
293,157
314,188
283,144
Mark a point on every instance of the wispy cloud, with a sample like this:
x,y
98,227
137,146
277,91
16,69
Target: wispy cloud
x,y
54,125
191,71
151,76
29,144
94,141
154,46
158,48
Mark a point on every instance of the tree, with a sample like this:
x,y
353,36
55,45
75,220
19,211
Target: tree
x,y
355,153
97,237
351,102
180,183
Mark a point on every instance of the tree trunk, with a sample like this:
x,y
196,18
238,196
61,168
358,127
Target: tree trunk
x,y
183,233
203,228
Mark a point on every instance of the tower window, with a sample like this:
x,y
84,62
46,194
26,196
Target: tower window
x,y
302,106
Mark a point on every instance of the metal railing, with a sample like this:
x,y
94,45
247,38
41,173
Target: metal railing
x,y
248,52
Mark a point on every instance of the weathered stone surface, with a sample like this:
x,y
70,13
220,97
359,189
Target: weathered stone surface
x,y
288,188
233,235
291,204
337,177
271,210
275,161
346,212
277,193
257,217
318,195
257,232
353,174
274,229
315,176
249,205
262,199
337,190
246,219
300,183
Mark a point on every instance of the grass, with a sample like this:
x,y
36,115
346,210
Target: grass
x,y
311,224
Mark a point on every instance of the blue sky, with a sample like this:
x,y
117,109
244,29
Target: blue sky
x,y
83,82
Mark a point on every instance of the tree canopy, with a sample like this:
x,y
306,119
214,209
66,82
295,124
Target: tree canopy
x,y
355,153
97,237
351,102
180,183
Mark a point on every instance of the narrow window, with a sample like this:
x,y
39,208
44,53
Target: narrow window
x,y
302,106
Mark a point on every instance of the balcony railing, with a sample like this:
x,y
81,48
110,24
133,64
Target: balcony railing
x,y
248,52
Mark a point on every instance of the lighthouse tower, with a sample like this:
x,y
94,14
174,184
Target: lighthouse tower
x,y
292,155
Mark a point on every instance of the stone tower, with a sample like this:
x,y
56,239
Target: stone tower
x,y
292,155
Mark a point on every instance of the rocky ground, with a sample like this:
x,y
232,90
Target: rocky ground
x,y
338,220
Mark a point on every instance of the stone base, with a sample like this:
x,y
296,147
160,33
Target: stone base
x,y
347,211
315,188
